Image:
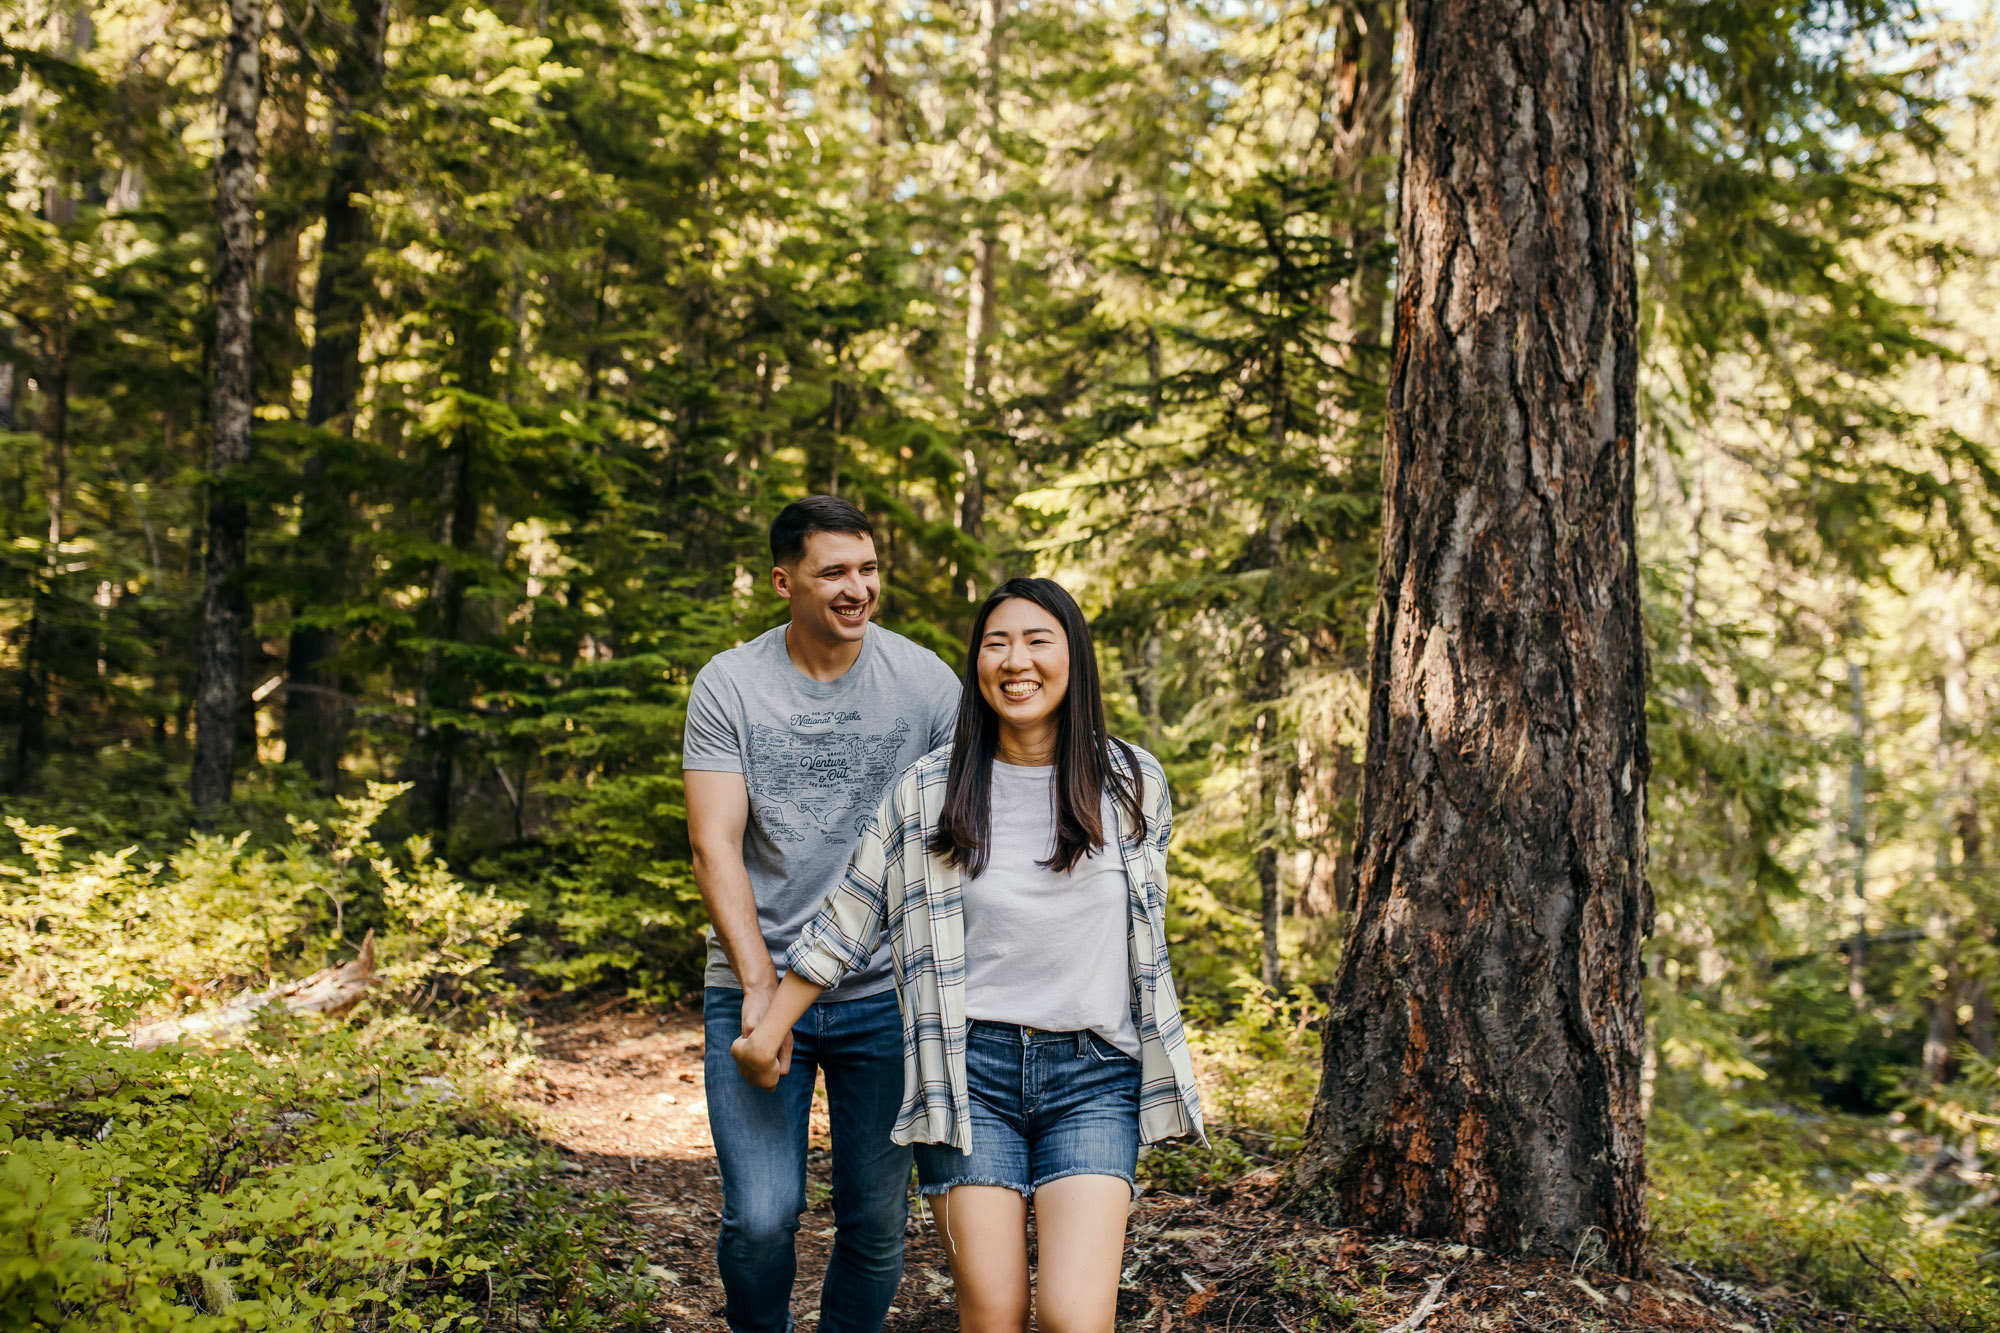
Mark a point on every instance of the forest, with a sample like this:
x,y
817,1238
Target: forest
x,y
394,396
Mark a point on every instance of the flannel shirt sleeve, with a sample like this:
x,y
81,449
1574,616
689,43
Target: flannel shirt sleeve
x,y
843,935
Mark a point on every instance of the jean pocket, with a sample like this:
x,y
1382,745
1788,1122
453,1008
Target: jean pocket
x,y
1104,1053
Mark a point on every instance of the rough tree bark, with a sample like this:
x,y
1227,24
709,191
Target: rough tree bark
x,y
225,609
1483,1046
316,708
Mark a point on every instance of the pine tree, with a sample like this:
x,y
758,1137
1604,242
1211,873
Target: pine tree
x,y
1482,1047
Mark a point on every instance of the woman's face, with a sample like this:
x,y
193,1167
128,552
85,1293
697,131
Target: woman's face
x,y
1023,664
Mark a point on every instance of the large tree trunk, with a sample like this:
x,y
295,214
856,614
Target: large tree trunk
x,y
316,697
1483,1046
225,608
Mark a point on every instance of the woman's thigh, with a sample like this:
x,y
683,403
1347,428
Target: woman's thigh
x,y
985,1234
1080,1232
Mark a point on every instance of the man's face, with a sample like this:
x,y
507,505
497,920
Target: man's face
x,y
834,586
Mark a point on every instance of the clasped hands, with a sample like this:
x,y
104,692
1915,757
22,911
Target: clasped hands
x,y
761,1062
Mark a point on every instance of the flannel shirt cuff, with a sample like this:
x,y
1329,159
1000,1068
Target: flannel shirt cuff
x,y
816,963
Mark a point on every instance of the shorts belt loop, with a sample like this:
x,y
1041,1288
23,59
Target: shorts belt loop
x,y
1082,1043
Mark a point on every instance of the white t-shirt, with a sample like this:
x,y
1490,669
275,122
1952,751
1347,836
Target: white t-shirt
x,y
1041,949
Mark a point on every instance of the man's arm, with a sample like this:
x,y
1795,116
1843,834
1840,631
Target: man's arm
x,y
718,810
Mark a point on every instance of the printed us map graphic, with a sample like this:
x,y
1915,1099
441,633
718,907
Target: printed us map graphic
x,y
825,783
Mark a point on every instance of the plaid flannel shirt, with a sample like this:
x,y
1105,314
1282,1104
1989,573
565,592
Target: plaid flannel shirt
x,y
893,883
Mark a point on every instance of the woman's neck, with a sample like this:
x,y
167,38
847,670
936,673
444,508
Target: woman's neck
x,y
1026,747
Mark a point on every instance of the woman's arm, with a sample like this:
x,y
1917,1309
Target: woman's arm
x,y
764,1055
839,939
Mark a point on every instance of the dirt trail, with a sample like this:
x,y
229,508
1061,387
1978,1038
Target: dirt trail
x,y
620,1094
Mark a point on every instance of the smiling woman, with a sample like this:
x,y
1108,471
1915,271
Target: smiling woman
x,y
1020,877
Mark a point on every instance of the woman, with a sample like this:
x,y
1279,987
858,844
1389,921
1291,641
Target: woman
x,y
1021,875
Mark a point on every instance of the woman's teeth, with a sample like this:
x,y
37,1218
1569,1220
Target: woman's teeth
x,y
1019,689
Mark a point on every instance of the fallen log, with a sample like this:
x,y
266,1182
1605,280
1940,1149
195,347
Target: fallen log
x,y
331,990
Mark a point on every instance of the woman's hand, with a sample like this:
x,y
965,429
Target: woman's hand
x,y
757,1062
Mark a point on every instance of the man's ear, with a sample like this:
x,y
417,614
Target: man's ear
x,y
781,581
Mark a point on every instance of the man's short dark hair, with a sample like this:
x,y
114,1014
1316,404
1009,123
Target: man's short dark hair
x,y
816,513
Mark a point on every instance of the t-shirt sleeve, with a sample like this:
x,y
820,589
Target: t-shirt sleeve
x,y
944,702
713,742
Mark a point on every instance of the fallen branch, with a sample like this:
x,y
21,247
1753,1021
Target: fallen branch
x,y
1417,1316
331,990
1973,1204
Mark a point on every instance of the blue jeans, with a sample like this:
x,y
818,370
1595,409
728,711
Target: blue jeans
x,y
1045,1105
760,1143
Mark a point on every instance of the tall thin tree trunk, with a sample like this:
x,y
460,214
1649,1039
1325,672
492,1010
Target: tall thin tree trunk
x,y
225,608
981,297
1857,831
1484,1044
59,197
31,741
1364,103
1954,707
1271,802
478,339
316,700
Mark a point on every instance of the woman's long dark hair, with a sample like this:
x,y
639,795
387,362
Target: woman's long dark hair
x,y
1084,771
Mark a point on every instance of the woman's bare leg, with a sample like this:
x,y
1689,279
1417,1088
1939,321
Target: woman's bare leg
x,y
1080,1231
985,1234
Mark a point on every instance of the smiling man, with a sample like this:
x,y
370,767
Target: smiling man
x,y
792,739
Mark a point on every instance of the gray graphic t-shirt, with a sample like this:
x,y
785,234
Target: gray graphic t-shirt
x,y
816,757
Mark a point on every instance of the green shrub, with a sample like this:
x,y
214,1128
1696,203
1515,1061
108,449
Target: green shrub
x,y
1815,1205
305,1173
218,915
321,1176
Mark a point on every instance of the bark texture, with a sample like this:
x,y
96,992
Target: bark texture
x,y
1484,1046
317,712
225,609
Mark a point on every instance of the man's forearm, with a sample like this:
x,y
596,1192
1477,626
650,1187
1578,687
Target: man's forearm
x,y
732,909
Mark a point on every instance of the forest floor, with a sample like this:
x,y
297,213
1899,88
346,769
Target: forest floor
x,y
619,1092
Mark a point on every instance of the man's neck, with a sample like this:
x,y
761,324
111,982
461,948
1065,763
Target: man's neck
x,y
820,659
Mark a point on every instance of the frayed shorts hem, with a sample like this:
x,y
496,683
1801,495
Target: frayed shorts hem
x,y
931,1189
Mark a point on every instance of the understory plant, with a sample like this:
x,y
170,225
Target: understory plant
x,y
305,1172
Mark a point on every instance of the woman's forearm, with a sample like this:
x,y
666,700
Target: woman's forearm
x,y
795,995
762,1055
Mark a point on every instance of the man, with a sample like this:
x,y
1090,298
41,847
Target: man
x,y
792,739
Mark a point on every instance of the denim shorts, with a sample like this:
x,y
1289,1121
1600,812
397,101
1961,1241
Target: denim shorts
x,y
1044,1105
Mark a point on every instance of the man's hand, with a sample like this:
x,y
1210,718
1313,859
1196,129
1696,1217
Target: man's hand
x,y
759,1067
756,1003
